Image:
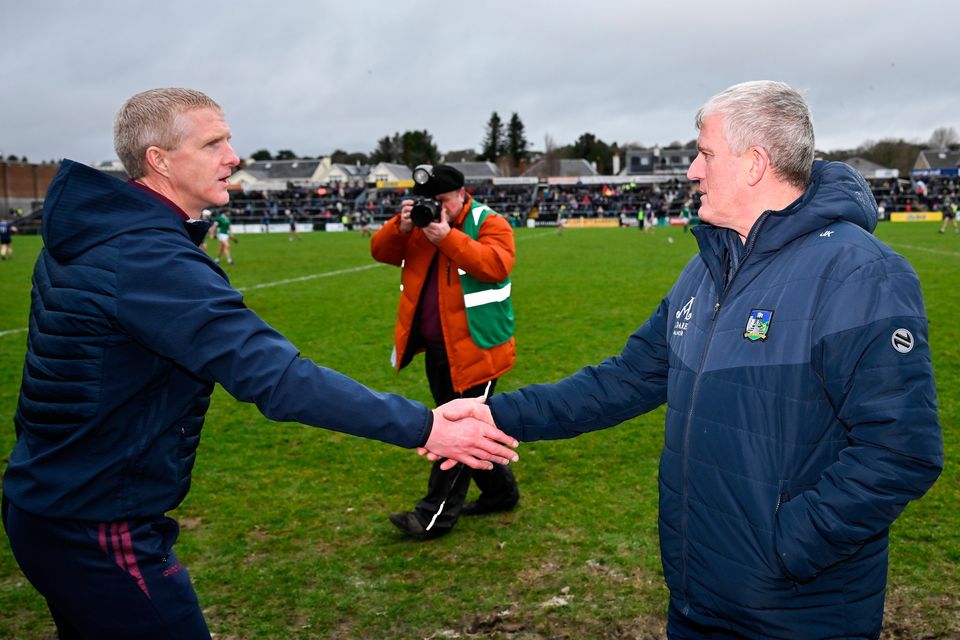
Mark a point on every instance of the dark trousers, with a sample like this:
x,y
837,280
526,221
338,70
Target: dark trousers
x,y
447,490
108,580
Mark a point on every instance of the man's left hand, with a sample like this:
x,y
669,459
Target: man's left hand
x,y
463,431
437,231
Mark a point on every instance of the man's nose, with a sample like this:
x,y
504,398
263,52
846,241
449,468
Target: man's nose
x,y
694,171
234,159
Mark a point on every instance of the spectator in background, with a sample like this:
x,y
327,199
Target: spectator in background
x,y
292,221
949,213
454,306
221,230
366,224
922,193
793,357
130,327
205,216
7,229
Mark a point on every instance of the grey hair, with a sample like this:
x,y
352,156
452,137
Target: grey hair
x,y
771,115
152,119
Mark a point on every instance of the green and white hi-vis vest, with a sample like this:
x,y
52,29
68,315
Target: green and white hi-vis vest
x,y
489,311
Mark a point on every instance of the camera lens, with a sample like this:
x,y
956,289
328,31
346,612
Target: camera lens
x,y
424,212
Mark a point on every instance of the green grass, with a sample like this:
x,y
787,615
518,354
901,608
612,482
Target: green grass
x,y
285,528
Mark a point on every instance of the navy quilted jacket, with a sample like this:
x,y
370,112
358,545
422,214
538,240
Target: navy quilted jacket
x,y
130,326
801,416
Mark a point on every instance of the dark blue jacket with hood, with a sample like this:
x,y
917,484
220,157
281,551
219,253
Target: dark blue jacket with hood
x,y
130,326
801,416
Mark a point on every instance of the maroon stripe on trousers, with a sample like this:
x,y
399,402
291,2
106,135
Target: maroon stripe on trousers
x,y
115,543
123,553
132,567
103,537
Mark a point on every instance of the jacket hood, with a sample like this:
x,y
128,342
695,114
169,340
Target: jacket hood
x,y
85,207
836,192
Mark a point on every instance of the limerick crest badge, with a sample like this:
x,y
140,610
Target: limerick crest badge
x,y
758,325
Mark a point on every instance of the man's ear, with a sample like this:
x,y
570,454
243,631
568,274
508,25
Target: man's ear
x,y
157,160
759,165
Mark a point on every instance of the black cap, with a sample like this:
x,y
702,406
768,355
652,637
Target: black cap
x,y
443,178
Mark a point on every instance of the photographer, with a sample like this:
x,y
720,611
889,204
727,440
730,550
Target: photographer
x,y
456,255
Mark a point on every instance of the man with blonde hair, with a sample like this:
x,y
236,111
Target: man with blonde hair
x,y
131,324
793,357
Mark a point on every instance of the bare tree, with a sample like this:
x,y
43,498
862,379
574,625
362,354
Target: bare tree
x,y
551,158
944,138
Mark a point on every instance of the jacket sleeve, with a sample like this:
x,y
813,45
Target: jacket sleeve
x,y
389,244
174,302
490,257
874,361
596,397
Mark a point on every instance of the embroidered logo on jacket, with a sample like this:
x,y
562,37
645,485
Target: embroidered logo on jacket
x,y
684,316
758,325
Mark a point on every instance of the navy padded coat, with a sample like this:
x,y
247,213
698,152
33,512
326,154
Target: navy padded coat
x,y
801,416
130,326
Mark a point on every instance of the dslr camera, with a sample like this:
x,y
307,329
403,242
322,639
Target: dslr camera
x,y
425,211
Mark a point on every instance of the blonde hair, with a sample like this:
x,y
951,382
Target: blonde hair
x,y
771,115
152,118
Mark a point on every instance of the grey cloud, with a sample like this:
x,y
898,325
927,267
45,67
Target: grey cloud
x,y
316,76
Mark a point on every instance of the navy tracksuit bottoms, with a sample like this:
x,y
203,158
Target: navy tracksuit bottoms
x,y
108,580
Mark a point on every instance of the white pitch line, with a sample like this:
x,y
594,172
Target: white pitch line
x,y
939,252
537,235
328,274
314,276
265,285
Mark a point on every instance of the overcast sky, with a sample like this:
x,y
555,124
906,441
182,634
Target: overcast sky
x,y
315,76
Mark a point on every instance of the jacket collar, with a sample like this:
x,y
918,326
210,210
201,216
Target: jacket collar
x,y
467,203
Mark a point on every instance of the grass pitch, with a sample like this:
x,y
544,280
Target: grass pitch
x,y
285,530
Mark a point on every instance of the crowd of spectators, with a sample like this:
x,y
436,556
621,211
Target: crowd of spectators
x,y
322,204
922,194
359,205
628,201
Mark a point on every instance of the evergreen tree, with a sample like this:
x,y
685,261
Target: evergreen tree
x,y
340,156
388,149
494,144
286,154
418,148
516,141
592,149
261,154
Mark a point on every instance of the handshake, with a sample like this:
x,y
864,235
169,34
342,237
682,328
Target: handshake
x,y
464,431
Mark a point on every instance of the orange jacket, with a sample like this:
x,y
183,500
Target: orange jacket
x,y
490,258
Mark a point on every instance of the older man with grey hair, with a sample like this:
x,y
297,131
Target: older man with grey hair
x,y
793,357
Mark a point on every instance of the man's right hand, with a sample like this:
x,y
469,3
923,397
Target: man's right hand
x,y
463,431
406,224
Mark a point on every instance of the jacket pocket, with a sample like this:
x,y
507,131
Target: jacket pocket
x,y
786,493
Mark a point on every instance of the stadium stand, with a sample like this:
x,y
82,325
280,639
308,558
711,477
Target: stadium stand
x,y
318,192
